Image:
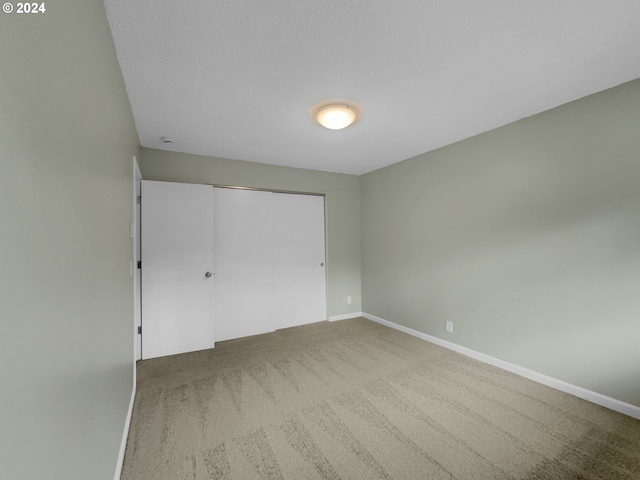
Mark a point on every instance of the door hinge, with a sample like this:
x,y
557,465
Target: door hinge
x,y
139,264
139,199
139,330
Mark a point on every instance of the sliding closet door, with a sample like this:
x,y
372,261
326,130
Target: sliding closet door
x,y
243,246
299,259
177,266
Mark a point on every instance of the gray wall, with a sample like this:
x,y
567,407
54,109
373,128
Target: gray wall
x,y
66,320
526,237
342,207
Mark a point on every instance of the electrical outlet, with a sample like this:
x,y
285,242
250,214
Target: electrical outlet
x,y
449,326
349,300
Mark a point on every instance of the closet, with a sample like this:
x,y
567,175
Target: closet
x,y
224,263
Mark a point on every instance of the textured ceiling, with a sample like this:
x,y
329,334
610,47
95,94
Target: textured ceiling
x,y
239,79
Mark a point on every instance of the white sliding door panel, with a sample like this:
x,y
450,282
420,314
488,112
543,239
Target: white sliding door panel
x,y
177,253
243,245
299,259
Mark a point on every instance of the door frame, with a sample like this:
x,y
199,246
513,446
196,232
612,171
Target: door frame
x,y
137,285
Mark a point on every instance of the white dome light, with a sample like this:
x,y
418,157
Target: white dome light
x,y
336,116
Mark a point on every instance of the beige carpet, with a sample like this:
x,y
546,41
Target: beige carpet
x,y
357,400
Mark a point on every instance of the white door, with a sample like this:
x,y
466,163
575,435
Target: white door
x,y
177,254
299,259
243,246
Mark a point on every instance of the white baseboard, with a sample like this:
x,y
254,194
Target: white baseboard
x,y
346,316
593,397
125,434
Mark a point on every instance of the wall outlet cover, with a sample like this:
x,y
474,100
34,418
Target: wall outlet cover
x,y
449,326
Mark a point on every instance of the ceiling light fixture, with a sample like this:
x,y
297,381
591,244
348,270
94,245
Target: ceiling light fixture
x,y
336,116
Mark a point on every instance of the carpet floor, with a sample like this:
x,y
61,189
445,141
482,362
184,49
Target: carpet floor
x,y
357,400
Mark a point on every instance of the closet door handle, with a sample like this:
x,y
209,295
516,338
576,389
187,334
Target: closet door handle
x,y
208,274
322,264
